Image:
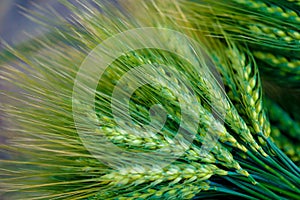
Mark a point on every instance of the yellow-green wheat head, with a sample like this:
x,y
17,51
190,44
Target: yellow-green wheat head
x,y
154,100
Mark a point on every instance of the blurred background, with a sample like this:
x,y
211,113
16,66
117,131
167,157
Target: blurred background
x,y
15,27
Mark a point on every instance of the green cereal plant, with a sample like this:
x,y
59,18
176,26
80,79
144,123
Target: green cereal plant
x,y
45,155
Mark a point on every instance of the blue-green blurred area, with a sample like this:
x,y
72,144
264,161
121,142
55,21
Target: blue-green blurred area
x,y
15,27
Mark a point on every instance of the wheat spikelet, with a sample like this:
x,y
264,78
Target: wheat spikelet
x,y
241,78
234,119
278,62
189,175
179,191
248,83
156,175
271,9
290,37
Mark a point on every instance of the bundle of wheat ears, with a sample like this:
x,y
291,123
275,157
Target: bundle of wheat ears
x,y
154,100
